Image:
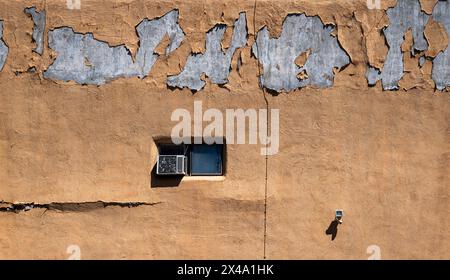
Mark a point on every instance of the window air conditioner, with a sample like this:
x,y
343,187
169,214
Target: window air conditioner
x,y
171,165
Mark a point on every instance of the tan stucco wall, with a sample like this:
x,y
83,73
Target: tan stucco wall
x,y
382,156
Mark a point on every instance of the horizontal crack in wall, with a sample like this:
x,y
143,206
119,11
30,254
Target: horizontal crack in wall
x,y
69,206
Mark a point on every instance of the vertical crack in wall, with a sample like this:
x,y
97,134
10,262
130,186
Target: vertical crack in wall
x,y
3,48
407,14
299,34
441,63
215,62
86,60
266,158
38,29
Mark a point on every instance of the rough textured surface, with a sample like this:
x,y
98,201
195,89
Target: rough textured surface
x,y
215,62
441,63
407,14
86,60
381,156
3,47
38,29
299,34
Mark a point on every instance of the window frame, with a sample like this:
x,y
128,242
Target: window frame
x,y
205,174
187,152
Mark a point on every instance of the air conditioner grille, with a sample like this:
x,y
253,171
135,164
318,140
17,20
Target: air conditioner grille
x,y
171,165
180,164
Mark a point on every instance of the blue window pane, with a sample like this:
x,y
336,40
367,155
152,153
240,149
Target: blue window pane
x,y
206,160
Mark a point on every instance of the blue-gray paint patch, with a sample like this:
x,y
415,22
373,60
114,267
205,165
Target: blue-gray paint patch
x,y
373,75
85,60
3,48
215,62
38,29
407,14
441,63
299,34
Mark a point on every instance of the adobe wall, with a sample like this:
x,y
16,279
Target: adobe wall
x,y
366,130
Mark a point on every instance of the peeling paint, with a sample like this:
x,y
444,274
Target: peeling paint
x,y
422,60
65,146
86,60
215,62
299,34
441,63
373,75
3,48
407,14
38,29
